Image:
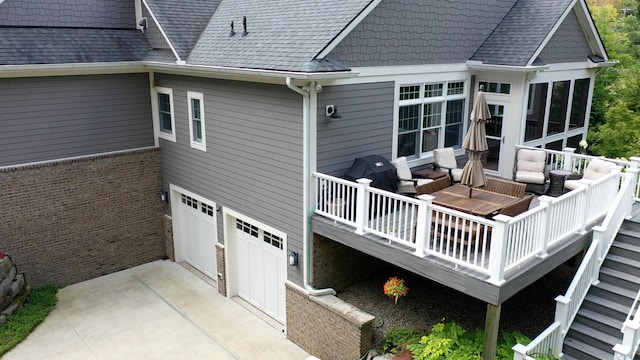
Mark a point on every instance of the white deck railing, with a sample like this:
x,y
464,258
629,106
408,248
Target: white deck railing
x,y
631,333
551,340
463,239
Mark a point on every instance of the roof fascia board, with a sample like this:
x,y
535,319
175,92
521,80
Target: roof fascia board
x,y
551,33
14,71
164,35
40,70
347,30
479,65
589,27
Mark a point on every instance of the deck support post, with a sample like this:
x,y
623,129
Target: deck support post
x,y
491,327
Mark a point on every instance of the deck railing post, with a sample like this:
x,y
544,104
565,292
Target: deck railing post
x,y
498,251
635,165
562,316
567,162
545,202
424,219
630,330
520,352
362,199
633,173
599,235
583,204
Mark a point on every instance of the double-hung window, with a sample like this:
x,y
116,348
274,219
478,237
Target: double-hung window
x,y
196,120
164,113
430,116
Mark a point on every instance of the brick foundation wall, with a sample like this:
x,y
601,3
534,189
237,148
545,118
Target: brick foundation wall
x,y
168,237
220,261
338,266
327,327
72,220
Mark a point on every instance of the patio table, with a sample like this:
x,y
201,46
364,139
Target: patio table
x,y
481,203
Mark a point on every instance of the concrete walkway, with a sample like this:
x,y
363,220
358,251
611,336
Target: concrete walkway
x,y
158,310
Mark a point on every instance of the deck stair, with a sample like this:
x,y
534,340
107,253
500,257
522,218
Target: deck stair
x,y
596,328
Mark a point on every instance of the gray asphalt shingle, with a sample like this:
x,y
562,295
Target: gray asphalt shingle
x,y
282,35
183,21
20,46
516,39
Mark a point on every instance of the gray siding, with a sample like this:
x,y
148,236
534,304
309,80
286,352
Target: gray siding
x,y
58,117
409,32
568,44
253,163
112,14
365,126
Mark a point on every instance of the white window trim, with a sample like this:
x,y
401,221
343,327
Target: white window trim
x,y
195,144
424,157
156,114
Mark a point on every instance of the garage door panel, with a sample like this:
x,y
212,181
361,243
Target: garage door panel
x,y
261,256
198,235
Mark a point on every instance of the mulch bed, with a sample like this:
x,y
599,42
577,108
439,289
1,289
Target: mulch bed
x,y
427,303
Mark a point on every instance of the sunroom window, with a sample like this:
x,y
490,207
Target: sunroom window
x,y
430,116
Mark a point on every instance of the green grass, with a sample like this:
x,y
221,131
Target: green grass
x,y
19,325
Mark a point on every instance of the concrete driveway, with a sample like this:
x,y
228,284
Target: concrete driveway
x,y
158,310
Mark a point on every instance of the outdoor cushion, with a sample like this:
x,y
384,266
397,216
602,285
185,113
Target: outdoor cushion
x,y
406,183
597,168
445,158
530,166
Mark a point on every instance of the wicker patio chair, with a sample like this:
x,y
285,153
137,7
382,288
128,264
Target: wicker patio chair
x,y
531,169
517,207
433,186
445,160
505,187
406,183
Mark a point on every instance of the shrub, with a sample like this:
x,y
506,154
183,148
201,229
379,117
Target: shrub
x,y
19,325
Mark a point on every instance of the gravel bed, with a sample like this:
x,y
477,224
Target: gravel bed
x,y
427,303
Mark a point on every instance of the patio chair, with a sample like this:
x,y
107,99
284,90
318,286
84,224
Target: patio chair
x,y
406,183
506,187
517,207
531,169
596,168
445,160
433,186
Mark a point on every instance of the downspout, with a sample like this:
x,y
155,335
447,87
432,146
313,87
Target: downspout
x,y
307,122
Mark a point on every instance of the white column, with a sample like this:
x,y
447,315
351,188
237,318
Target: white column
x,y
362,200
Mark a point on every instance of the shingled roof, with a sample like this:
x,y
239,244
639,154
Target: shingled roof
x,y
281,35
20,46
183,21
521,33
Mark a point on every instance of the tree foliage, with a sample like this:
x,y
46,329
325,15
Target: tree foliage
x,y
615,111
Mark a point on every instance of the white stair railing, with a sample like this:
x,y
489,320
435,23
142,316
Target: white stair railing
x,y
631,334
567,305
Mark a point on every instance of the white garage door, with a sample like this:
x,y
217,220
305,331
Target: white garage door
x,y
198,234
261,268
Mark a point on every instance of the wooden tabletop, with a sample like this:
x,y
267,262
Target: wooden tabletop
x,y
481,202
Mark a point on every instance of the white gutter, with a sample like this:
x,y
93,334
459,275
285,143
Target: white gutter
x,y
479,65
308,121
144,66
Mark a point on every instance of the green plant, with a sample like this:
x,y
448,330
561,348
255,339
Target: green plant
x,y
448,341
39,304
395,340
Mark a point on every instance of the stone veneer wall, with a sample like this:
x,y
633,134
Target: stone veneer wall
x,y
338,266
222,274
327,327
72,220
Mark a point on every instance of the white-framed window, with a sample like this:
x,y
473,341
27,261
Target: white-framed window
x,y
430,116
164,113
196,120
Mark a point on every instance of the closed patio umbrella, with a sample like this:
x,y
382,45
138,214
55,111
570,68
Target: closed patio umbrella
x,y
475,143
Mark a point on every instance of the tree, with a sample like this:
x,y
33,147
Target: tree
x,y
615,115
